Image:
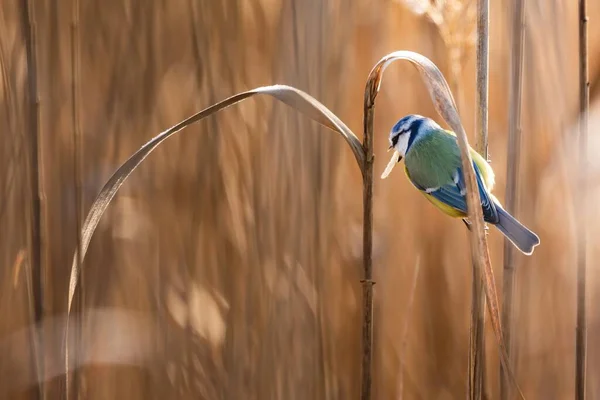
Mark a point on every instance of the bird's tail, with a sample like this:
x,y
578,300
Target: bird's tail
x,y
524,239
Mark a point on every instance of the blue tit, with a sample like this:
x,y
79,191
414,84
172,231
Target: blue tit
x,y
433,165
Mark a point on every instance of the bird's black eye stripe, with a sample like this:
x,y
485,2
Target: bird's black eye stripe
x,y
395,138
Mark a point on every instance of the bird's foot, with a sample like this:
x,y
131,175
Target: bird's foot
x,y
467,223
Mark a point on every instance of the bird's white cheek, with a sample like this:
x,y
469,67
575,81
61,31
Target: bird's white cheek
x,y
402,145
391,164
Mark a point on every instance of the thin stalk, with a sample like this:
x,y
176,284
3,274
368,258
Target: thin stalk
x,y
584,97
77,179
36,240
512,171
367,282
483,68
477,331
404,342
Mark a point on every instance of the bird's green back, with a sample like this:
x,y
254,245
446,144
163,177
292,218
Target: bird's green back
x,y
434,156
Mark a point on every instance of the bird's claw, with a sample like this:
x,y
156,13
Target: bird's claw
x,y
468,224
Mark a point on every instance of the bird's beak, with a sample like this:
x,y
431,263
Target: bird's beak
x,y
389,148
396,157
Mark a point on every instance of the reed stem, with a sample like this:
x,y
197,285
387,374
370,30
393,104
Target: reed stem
x,y
584,92
367,282
36,292
512,171
477,339
77,180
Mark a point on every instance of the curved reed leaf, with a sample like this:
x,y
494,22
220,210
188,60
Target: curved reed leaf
x,y
445,105
293,97
437,86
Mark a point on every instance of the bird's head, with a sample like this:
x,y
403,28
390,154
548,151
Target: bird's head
x,y
403,134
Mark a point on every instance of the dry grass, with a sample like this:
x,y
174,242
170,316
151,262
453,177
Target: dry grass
x,y
255,215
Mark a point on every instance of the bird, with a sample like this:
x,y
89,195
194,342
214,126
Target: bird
x,y
432,163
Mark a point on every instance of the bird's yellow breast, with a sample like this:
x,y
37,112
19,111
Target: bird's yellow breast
x,y
446,209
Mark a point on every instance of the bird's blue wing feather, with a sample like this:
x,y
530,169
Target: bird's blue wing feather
x,y
453,194
450,195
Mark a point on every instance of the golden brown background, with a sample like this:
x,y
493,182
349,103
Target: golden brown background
x,y
228,266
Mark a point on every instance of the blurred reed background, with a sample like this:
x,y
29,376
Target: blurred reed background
x,y
229,265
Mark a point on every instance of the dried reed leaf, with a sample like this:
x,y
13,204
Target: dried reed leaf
x,y
445,105
295,98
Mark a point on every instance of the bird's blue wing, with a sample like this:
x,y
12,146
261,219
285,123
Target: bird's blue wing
x,y
449,195
453,194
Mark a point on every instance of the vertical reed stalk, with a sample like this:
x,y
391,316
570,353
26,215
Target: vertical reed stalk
x,y
512,171
584,95
367,282
477,339
36,292
483,67
77,179
409,309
